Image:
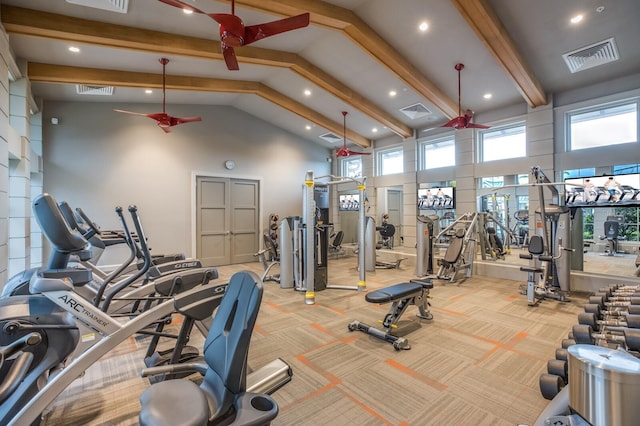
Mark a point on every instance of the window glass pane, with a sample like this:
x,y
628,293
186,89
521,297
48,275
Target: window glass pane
x,y
625,169
522,179
491,181
523,202
390,162
578,173
439,153
500,143
352,167
610,125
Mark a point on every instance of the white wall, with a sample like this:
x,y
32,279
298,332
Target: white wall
x,y
97,159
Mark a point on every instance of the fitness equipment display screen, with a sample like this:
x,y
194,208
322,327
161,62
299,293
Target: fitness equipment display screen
x,y
349,202
604,191
436,198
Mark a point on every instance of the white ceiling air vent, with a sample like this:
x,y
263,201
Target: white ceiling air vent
x,y
120,6
84,89
592,56
331,138
415,111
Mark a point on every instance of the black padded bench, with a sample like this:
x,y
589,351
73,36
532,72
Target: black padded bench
x,y
414,292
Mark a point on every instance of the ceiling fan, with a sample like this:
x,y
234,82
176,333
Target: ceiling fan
x,y
344,151
164,120
463,121
233,33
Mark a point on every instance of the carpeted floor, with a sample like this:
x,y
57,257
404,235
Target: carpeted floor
x,y
476,363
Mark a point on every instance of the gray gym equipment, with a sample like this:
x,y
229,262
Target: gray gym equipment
x,y
222,397
401,296
552,223
426,230
460,252
603,389
55,307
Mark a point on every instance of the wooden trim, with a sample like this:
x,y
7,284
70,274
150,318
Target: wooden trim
x,y
49,73
490,30
43,24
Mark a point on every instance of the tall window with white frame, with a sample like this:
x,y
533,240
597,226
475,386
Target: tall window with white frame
x,y
503,142
437,153
602,125
390,161
351,167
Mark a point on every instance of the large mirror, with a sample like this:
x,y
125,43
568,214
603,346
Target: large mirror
x,y
605,234
389,213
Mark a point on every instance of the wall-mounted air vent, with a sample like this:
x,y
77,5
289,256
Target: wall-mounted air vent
x,y
415,111
84,89
120,6
592,56
331,138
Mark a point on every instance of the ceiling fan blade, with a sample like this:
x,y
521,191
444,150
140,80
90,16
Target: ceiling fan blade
x,y
230,58
180,120
254,33
456,123
130,112
477,126
181,5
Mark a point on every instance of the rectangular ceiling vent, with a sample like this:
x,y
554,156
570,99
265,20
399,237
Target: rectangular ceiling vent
x,y
120,6
84,89
331,138
415,111
592,56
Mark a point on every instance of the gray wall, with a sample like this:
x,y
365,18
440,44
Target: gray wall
x,y
97,159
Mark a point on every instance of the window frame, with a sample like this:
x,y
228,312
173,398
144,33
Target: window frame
x,y
343,166
379,161
502,127
422,147
595,108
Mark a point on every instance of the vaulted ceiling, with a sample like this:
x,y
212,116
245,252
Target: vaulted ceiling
x,y
350,57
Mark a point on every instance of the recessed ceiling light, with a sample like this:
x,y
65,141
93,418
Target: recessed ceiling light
x,y
392,93
148,91
423,26
374,130
600,9
487,96
307,92
307,127
74,49
187,11
576,19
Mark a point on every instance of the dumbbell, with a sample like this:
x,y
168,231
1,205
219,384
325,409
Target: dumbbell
x,y
594,308
550,385
614,301
630,337
591,319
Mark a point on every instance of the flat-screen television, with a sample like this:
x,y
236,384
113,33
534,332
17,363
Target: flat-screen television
x,y
603,191
437,198
349,202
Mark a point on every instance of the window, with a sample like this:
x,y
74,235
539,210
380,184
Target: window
x,y
351,167
523,202
499,143
522,179
578,173
603,125
491,182
438,153
390,161
631,228
626,169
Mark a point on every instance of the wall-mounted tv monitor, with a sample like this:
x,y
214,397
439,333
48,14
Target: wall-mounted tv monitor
x,y
604,191
349,202
437,198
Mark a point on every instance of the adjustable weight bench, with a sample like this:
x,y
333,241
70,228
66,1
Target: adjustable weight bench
x,y
415,292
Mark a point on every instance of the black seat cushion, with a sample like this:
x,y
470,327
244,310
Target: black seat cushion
x,y
394,292
174,402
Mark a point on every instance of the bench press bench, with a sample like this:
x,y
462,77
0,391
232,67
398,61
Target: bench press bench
x,y
414,292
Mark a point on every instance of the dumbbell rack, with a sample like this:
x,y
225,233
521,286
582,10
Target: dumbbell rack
x,y
611,319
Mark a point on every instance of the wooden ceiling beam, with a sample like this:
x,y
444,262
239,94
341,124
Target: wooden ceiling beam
x,y
43,24
344,20
485,22
49,73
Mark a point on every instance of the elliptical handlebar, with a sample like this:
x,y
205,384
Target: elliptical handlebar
x,y
133,210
